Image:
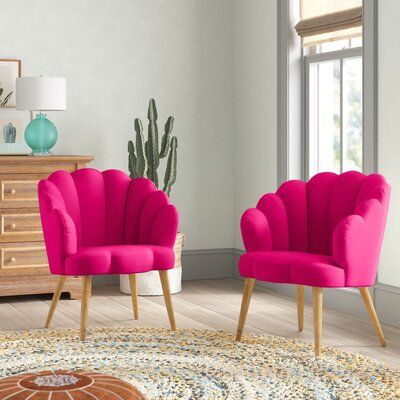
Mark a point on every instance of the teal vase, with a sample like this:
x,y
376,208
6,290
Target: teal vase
x,y
41,135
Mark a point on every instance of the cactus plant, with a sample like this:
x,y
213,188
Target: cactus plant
x,y
132,159
153,159
9,133
170,172
141,160
169,125
144,157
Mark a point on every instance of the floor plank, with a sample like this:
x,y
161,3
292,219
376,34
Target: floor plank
x,y
211,304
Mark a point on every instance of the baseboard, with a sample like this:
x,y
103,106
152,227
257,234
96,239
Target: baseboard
x,y
236,253
105,280
387,301
207,264
197,264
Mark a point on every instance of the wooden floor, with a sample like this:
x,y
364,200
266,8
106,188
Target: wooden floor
x,y
211,304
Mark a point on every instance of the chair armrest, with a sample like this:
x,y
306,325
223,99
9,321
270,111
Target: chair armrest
x,y
255,231
357,241
165,227
60,238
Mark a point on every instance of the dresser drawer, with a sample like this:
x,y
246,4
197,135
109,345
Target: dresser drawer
x,y
12,224
20,225
19,190
23,259
18,193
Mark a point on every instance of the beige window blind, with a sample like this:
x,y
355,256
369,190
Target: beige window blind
x,y
329,20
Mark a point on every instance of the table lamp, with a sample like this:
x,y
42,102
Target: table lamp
x,y
41,94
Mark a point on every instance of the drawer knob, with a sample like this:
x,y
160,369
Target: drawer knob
x,y
12,191
12,226
12,260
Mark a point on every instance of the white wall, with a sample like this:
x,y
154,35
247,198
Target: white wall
x,y
255,77
115,56
389,131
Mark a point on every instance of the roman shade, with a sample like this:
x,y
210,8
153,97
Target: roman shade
x,y
327,20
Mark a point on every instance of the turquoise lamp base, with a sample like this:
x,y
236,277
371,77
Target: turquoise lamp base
x,y
41,135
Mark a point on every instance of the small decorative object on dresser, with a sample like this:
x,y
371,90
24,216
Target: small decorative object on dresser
x,y
41,94
12,127
143,161
23,261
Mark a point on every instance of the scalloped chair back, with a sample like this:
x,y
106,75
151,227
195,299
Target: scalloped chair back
x,y
107,208
314,209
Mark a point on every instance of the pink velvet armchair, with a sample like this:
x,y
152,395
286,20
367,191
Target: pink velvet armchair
x,y
105,223
326,233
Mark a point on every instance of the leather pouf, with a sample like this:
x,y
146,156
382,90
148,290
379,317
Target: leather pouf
x,y
67,385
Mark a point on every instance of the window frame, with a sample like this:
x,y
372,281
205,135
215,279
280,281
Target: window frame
x,y
290,107
337,55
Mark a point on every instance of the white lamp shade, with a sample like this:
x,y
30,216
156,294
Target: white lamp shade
x,y
41,93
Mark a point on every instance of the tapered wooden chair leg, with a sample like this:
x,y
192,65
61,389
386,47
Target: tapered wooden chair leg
x,y
300,307
247,292
54,301
167,298
134,295
317,308
372,313
86,291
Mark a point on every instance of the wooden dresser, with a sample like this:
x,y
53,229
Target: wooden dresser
x,y
23,261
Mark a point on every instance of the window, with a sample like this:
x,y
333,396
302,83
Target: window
x,y
333,109
333,85
327,87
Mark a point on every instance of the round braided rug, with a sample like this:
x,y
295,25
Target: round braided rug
x,y
202,364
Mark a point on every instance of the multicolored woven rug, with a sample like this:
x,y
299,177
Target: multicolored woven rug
x,y
201,364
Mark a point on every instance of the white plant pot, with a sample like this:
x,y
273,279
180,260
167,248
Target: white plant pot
x,y
148,283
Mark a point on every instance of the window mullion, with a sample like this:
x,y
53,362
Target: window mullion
x,y
341,116
316,123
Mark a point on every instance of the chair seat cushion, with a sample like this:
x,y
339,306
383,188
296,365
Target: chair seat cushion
x,y
124,259
292,267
